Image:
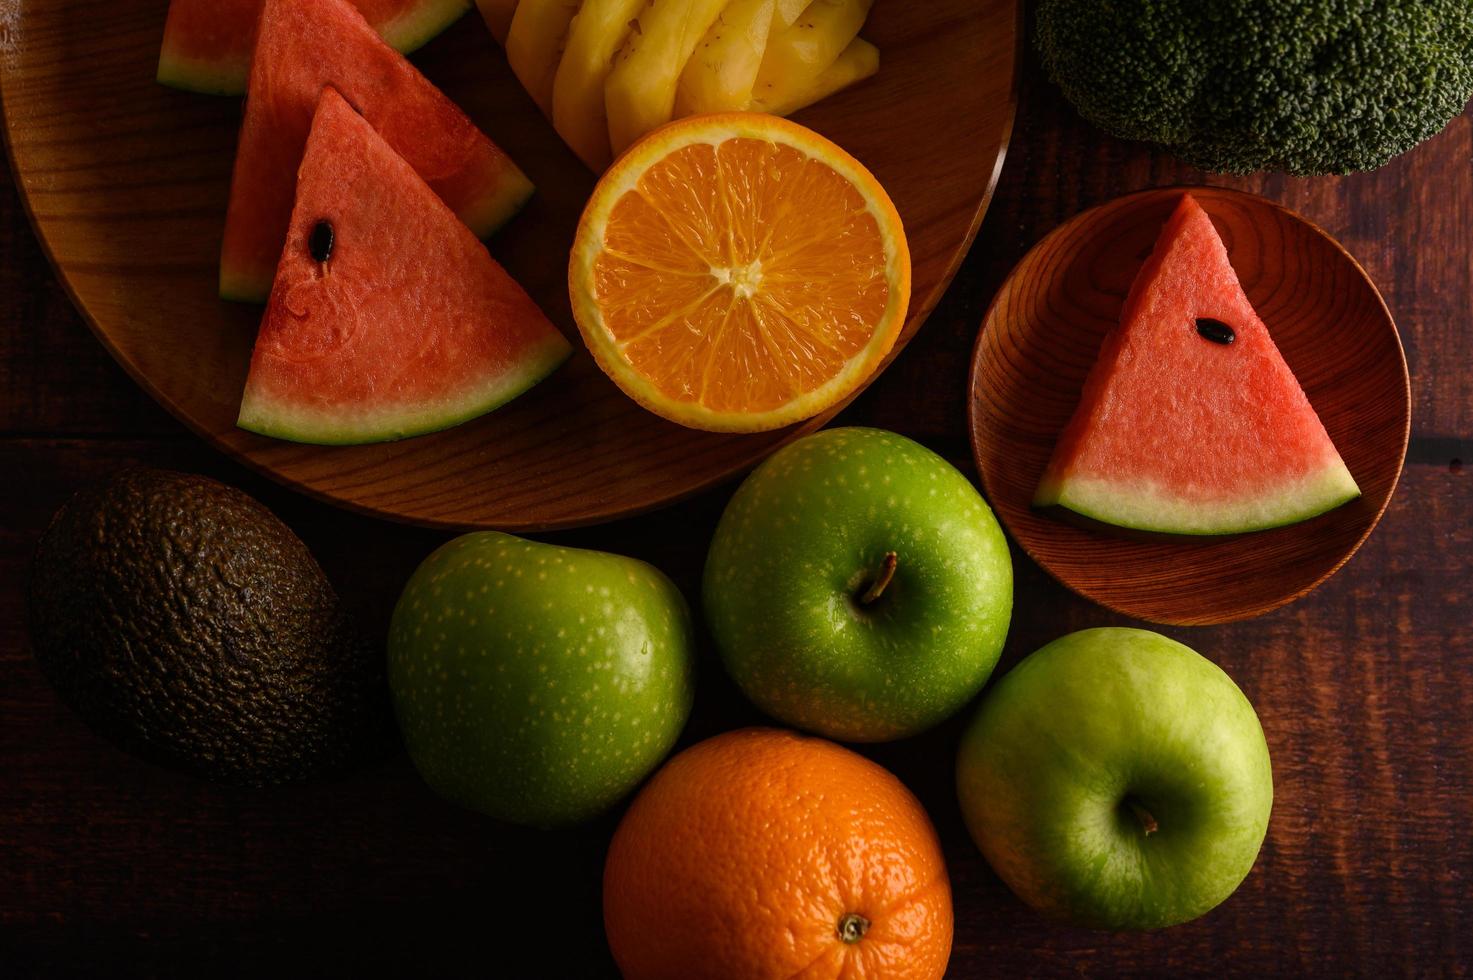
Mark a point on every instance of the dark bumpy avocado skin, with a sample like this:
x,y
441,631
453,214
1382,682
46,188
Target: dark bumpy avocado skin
x,y
183,620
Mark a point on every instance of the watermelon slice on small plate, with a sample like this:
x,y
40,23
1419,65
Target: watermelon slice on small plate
x,y
1044,334
1190,421
387,318
305,45
207,43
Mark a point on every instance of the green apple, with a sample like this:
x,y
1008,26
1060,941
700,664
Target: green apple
x,y
535,683
858,586
1117,779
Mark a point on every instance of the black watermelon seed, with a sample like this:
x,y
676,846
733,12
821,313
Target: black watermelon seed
x,y
320,244
1216,331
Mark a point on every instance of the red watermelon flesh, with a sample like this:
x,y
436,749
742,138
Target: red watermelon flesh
x,y
207,43
1179,434
404,325
305,45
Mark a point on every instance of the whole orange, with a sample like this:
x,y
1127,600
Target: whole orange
x,y
763,853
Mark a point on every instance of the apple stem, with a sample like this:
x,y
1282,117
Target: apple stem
x,y
882,580
1148,822
852,928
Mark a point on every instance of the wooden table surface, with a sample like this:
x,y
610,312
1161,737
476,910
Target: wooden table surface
x,y
109,866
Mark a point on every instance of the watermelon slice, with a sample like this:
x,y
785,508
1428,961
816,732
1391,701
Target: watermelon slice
x,y
388,318
207,43
1191,422
303,46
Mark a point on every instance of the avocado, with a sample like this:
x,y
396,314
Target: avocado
x,y
182,620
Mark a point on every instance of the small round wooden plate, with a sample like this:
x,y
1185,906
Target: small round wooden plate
x,y
126,182
1041,337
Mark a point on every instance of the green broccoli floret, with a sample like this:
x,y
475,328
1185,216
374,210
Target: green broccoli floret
x,y
1238,86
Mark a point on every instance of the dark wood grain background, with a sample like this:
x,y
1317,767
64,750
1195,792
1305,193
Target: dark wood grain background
x,y
109,866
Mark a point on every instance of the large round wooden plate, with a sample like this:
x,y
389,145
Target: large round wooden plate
x,y
126,182
1042,336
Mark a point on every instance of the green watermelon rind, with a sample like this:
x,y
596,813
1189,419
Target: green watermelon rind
x,y
1153,510
240,288
495,210
319,428
406,35
201,77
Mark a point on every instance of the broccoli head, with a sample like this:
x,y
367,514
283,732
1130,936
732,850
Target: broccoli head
x,y
1304,86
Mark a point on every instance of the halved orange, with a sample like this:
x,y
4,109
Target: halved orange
x,y
738,272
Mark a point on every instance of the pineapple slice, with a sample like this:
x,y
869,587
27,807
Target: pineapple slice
x,y
788,11
723,69
608,71
795,57
535,42
497,14
596,34
640,91
857,62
